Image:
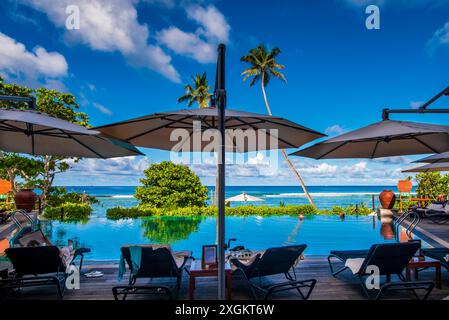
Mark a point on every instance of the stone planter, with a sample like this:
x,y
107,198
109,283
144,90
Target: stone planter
x,y
387,199
25,199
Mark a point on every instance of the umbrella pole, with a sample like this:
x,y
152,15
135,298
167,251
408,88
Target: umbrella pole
x,y
220,96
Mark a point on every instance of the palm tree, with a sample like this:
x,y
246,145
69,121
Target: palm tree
x,y
198,92
263,67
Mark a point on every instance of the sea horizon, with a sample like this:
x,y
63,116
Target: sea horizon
x,y
323,196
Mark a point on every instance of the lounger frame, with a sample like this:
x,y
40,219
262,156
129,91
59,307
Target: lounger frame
x,y
263,267
372,254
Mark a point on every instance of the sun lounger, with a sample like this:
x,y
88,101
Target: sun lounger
x,y
155,262
274,261
34,266
437,212
391,259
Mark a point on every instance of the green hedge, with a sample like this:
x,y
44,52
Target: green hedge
x,y
144,211
72,212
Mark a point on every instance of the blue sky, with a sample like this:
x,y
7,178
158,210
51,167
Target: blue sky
x,y
133,57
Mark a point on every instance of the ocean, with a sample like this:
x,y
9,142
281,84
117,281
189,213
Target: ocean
x,y
324,196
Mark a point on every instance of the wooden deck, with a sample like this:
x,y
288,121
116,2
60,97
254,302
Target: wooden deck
x,y
345,287
435,234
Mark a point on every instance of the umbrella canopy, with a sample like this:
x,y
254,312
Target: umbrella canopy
x,y
156,130
382,139
36,133
436,158
439,166
243,197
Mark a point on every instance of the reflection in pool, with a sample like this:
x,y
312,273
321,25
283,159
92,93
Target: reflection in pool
x,y
321,233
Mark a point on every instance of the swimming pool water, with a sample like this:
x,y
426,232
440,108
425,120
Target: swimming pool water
x,y
321,233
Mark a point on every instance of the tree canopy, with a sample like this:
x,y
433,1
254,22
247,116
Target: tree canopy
x,y
170,185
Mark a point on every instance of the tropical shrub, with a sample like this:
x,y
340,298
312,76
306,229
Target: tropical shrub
x,y
170,185
432,184
60,195
292,210
69,212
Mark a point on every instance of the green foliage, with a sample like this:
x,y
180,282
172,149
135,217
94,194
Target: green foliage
x,y
59,195
169,185
79,212
13,166
292,210
338,210
199,92
432,184
169,229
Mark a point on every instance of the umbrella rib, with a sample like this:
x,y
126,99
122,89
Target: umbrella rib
x,y
332,150
155,129
203,120
425,144
145,118
290,126
12,128
375,149
83,144
237,125
256,128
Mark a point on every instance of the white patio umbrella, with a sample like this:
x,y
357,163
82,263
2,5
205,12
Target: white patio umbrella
x,y
244,197
382,139
436,158
36,133
429,167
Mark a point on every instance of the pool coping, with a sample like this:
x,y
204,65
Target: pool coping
x,y
427,236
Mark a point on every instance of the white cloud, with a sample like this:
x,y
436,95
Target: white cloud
x,y
128,166
334,130
416,104
201,44
188,44
320,169
31,67
110,26
392,160
102,108
440,38
214,25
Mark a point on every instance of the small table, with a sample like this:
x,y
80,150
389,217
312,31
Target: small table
x,y
197,271
424,262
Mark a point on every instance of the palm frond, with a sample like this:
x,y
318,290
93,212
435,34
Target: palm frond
x,y
278,75
254,80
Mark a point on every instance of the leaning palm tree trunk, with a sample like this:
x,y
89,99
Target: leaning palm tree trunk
x,y
290,164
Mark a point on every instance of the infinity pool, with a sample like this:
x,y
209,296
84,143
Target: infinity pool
x,y
321,233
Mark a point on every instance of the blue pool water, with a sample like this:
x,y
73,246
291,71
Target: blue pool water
x,y
320,233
